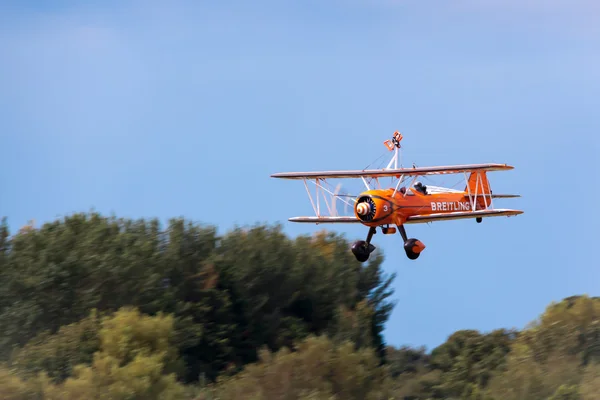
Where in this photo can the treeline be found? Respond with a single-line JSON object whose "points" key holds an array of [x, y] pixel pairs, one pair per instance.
{"points": [[101, 307]]}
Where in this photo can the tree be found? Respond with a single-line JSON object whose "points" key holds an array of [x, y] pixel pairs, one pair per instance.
{"points": [[566, 392], [12, 387], [318, 369], [571, 326], [229, 295], [470, 357], [57, 354], [136, 360], [406, 360]]}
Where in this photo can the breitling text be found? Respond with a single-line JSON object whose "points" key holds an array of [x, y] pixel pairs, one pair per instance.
{"points": [[450, 206]]}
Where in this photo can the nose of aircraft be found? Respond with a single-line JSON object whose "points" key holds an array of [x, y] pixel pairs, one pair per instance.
{"points": [[363, 208]]}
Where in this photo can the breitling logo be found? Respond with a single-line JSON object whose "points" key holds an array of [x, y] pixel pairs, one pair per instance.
{"points": [[450, 206]]}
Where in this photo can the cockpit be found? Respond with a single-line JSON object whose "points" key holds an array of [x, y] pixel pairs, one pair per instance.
{"points": [[418, 187]]}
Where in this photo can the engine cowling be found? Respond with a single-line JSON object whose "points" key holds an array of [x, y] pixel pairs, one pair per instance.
{"points": [[372, 208]]}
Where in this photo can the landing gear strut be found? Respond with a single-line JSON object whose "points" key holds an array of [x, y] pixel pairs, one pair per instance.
{"points": [[362, 249], [413, 247]]}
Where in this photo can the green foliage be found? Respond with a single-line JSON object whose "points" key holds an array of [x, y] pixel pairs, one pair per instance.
{"points": [[354, 325], [566, 392], [134, 362], [526, 378], [406, 360], [589, 387], [552, 352], [317, 369], [229, 295], [571, 326], [95, 307], [470, 358], [62, 271], [555, 356], [12, 387], [57, 354]]}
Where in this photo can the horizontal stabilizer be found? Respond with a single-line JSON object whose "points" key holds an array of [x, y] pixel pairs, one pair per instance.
{"points": [[496, 196]]}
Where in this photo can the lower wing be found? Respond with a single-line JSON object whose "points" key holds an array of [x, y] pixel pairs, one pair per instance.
{"points": [[416, 219]]}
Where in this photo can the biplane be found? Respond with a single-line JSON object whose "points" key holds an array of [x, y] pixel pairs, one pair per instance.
{"points": [[409, 201]]}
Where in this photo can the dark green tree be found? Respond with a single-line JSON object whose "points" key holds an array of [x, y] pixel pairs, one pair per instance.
{"points": [[229, 295]]}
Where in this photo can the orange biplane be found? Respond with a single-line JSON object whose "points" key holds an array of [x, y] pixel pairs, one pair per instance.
{"points": [[408, 202]]}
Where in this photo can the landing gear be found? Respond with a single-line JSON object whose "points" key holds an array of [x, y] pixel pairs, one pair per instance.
{"points": [[362, 249], [478, 219], [413, 247]]}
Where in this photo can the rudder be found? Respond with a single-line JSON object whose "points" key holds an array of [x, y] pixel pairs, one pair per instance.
{"points": [[478, 184]]}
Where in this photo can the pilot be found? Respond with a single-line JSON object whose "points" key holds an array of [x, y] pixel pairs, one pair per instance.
{"points": [[419, 187]]}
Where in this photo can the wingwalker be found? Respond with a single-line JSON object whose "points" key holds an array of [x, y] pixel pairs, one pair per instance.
{"points": [[408, 202]]}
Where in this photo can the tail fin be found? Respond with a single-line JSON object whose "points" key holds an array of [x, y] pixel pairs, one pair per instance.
{"points": [[478, 184], [478, 188]]}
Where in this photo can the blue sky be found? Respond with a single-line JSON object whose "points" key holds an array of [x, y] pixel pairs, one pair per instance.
{"points": [[148, 109]]}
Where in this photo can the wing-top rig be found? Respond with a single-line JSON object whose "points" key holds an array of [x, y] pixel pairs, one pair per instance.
{"points": [[407, 202]]}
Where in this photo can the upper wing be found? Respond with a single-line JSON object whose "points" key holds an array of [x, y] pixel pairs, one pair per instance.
{"points": [[416, 219], [450, 169]]}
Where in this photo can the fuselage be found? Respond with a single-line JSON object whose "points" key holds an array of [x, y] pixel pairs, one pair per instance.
{"points": [[382, 206]]}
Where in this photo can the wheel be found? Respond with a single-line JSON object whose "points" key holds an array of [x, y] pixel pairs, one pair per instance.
{"points": [[362, 250], [413, 248], [478, 219]]}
